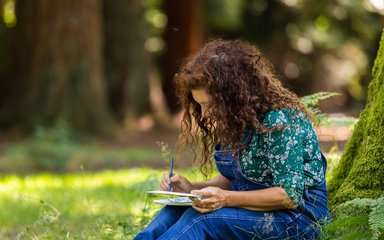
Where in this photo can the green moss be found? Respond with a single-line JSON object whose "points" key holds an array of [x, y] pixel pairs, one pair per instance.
{"points": [[361, 168], [349, 227]]}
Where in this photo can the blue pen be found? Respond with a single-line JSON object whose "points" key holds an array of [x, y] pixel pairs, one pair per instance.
{"points": [[171, 171]]}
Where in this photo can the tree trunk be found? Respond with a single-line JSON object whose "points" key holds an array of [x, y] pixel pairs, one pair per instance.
{"points": [[361, 168], [59, 65], [126, 60], [183, 36], [6, 59]]}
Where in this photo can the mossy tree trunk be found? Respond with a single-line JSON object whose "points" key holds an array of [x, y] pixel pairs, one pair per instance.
{"points": [[360, 172], [59, 66]]}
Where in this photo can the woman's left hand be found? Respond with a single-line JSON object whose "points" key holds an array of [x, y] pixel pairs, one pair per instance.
{"points": [[213, 198]]}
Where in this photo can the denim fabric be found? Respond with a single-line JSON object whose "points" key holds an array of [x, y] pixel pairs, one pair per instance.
{"points": [[237, 223]]}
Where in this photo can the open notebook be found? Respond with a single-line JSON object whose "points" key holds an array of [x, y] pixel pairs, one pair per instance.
{"points": [[174, 198]]}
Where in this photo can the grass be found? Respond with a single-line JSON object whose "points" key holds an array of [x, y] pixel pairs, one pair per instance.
{"points": [[99, 205], [349, 227], [43, 154], [104, 205]]}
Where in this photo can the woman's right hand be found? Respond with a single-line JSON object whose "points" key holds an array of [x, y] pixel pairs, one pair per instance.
{"points": [[178, 183]]}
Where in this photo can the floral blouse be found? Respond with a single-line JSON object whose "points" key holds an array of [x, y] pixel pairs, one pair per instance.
{"points": [[289, 158]]}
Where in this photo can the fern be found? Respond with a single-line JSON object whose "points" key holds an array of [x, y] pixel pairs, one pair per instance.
{"points": [[376, 219], [376, 215], [311, 102], [314, 99]]}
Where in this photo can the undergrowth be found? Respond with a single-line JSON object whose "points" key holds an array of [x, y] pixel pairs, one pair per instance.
{"points": [[358, 219], [61, 149]]}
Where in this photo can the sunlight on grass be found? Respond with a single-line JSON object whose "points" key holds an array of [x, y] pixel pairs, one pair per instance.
{"points": [[75, 204], [104, 205]]}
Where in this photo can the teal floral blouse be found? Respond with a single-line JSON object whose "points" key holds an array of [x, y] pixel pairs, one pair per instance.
{"points": [[289, 158]]}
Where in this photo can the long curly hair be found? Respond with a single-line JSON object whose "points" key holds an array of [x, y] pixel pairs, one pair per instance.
{"points": [[243, 86]]}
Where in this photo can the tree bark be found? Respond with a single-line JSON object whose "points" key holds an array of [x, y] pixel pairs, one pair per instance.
{"points": [[126, 60], [59, 65], [183, 37], [361, 168]]}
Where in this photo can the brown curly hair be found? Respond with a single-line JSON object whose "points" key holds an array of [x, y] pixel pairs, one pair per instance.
{"points": [[243, 87]]}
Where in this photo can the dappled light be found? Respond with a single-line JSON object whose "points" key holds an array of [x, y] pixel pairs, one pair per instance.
{"points": [[91, 106], [70, 199], [154, 44], [374, 5], [86, 204], [8, 13]]}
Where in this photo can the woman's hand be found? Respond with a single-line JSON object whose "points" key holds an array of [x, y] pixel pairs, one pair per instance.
{"points": [[213, 198], [178, 183]]}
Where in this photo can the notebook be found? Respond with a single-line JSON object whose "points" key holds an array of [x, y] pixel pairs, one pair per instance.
{"points": [[182, 199]]}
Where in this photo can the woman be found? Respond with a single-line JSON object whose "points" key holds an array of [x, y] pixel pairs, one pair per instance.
{"points": [[271, 181]]}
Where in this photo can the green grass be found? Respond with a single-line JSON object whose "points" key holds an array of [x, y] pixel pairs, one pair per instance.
{"points": [[101, 205], [349, 227], [37, 155], [104, 205]]}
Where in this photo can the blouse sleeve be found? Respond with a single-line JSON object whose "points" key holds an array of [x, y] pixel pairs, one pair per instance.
{"points": [[285, 153]]}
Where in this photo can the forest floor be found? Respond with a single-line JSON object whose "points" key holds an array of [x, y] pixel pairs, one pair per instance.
{"points": [[136, 149], [331, 139]]}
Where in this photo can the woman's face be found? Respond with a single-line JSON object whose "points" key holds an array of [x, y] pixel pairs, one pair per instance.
{"points": [[203, 98]]}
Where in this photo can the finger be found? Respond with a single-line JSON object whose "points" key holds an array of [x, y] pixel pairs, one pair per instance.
{"points": [[196, 201], [175, 178], [208, 206], [163, 186], [201, 209], [203, 205], [211, 202], [197, 208], [202, 193], [166, 178]]}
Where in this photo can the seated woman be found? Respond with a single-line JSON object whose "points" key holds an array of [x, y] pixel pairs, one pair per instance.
{"points": [[271, 181]]}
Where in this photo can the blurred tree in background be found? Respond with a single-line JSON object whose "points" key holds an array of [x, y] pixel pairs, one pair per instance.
{"points": [[316, 45], [183, 36], [127, 63], [58, 66], [99, 64]]}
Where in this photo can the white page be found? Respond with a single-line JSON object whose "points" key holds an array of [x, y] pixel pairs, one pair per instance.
{"points": [[174, 193]]}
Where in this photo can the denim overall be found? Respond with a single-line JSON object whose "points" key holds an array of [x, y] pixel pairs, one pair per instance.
{"points": [[238, 223]]}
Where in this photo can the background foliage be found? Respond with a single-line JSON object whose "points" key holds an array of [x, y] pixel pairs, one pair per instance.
{"points": [[322, 46], [85, 86]]}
